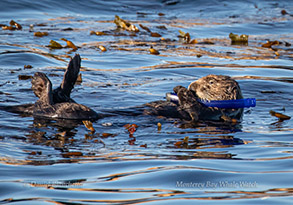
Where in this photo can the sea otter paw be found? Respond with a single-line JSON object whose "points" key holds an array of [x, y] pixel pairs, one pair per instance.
{"points": [[177, 88], [186, 97]]}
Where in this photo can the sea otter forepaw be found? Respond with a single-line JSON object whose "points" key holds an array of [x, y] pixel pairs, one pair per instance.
{"points": [[178, 88]]}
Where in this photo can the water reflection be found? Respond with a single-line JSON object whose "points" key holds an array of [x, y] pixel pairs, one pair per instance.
{"points": [[71, 146]]}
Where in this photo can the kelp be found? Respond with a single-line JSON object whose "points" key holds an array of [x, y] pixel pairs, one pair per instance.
{"points": [[41, 34], [238, 40], [15, 24], [12, 26], [121, 23], [154, 51], [27, 66], [281, 116], [72, 154], [269, 44], [102, 48], [69, 44], [24, 77], [98, 33], [186, 38], [183, 143], [131, 128], [106, 135], [154, 34], [145, 28], [89, 125], [159, 126], [55, 45]]}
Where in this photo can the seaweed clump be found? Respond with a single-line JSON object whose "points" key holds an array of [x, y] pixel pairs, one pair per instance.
{"points": [[238, 40]]}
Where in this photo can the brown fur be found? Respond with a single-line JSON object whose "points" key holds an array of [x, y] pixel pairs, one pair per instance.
{"points": [[211, 87]]}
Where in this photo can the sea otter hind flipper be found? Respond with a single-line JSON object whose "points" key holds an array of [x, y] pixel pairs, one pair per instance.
{"points": [[43, 86], [70, 75], [39, 82]]}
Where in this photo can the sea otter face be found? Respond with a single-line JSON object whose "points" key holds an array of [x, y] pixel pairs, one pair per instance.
{"points": [[216, 87]]}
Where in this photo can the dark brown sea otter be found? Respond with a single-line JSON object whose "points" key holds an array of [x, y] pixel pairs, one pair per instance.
{"points": [[211, 87], [57, 103]]}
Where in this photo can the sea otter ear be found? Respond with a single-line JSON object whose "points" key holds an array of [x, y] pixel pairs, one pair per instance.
{"points": [[192, 86], [42, 87], [70, 75]]}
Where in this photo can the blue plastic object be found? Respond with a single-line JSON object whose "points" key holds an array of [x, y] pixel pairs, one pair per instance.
{"points": [[228, 104]]}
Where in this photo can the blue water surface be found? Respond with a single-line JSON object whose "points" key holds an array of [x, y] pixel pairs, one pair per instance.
{"points": [[50, 162]]}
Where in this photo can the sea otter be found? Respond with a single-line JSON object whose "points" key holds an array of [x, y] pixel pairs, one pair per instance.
{"points": [[208, 88], [57, 103]]}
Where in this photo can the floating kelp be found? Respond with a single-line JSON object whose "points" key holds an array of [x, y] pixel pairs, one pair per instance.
{"points": [[269, 44], [24, 77], [280, 115], [145, 28], [12, 26], [15, 24], [27, 66], [98, 33], [162, 27], [153, 34], [105, 135], [131, 128], [36, 153], [102, 48], [41, 34], [206, 42], [72, 154], [120, 23], [69, 44], [89, 125], [55, 45], [238, 40], [184, 142], [154, 51], [159, 126], [186, 37]]}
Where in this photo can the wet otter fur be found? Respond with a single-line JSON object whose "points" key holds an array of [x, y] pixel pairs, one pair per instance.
{"points": [[46, 106], [211, 87], [57, 103]]}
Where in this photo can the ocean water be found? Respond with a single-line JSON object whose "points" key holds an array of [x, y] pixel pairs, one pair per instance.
{"points": [[50, 162]]}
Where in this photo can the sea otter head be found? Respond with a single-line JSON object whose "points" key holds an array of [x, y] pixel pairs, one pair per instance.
{"points": [[216, 87]]}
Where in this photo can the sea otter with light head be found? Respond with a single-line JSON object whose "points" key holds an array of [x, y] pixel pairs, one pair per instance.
{"points": [[191, 101]]}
